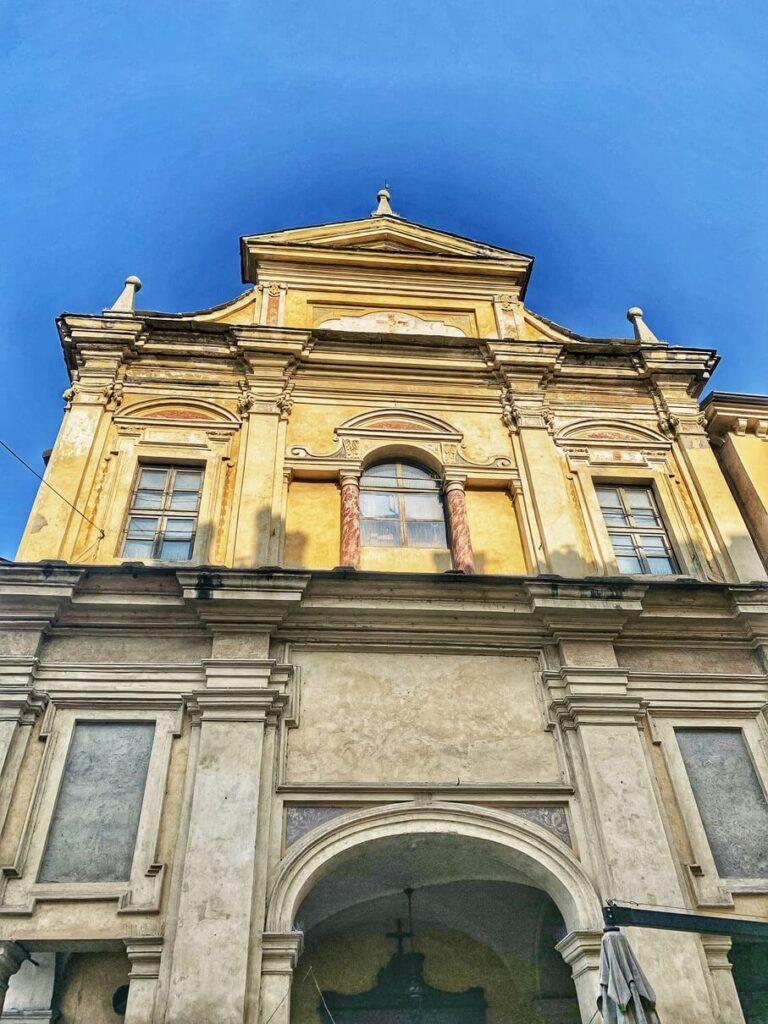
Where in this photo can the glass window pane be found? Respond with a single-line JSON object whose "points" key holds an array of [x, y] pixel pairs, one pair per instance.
{"points": [[148, 499], [184, 501], [608, 497], [377, 503], [154, 478], [638, 498], [627, 564], [380, 532], [647, 519], [615, 517], [176, 550], [179, 528], [142, 526], [411, 472], [653, 544], [661, 566], [622, 544], [385, 470], [426, 535], [423, 506], [138, 549], [187, 480]]}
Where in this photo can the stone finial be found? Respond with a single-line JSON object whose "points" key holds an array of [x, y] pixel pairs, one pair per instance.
{"points": [[383, 209], [126, 300], [642, 330]]}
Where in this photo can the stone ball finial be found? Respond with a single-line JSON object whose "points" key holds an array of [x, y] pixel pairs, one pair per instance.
{"points": [[125, 303], [384, 209], [642, 330]]}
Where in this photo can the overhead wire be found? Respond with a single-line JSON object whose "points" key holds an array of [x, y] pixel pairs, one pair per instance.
{"points": [[51, 487]]}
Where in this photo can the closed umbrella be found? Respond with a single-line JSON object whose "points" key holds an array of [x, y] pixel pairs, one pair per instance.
{"points": [[625, 994]]}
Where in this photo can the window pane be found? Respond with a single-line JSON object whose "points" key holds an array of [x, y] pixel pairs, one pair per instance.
{"points": [[615, 517], [423, 506], [142, 526], [411, 472], [184, 501], [638, 498], [187, 480], [627, 564], [426, 535], [178, 529], [384, 471], [93, 832], [653, 544], [622, 543], [154, 478], [645, 519], [380, 532], [608, 497], [730, 799], [176, 550], [661, 566], [138, 548], [377, 503], [148, 499]]}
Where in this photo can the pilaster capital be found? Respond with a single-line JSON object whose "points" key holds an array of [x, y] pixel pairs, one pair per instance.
{"points": [[280, 952], [454, 481], [255, 704], [22, 706], [349, 476], [581, 951], [716, 949], [577, 710], [587, 680], [144, 954]]}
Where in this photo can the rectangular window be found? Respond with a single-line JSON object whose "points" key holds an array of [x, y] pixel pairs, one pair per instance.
{"points": [[636, 529], [730, 799], [163, 516], [93, 831]]}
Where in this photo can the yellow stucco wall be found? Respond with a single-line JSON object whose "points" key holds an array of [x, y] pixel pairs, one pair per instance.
{"points": [[312, 525], [495, 533]]}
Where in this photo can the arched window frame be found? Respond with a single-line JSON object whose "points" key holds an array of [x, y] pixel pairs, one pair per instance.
{"points": [[401, 504]]}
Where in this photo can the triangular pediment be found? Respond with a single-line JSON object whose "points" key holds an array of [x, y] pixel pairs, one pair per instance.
{"points": [[381, 234]]}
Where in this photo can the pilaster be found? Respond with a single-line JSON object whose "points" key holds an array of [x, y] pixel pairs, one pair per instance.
{"points": [[144, 955], [280, 954], [216, 903]]}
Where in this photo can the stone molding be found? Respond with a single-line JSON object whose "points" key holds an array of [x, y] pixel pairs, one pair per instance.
{"points": [[530, 846], [144, 952], [280, 951]]}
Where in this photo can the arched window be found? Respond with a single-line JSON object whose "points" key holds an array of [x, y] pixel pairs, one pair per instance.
{"points": [[401, 506]]}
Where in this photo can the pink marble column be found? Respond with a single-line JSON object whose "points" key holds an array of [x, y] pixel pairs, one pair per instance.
{"points": [[461, 543], [350, 520]]}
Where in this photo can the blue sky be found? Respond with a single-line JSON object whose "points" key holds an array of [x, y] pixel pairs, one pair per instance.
{"points": [[621, 144]]}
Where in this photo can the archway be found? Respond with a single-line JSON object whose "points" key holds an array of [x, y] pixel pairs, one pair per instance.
{"points": [[493, 894]]}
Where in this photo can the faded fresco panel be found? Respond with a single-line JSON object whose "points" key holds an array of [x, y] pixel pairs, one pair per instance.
{"points": [[93, 832], [400, 718]]}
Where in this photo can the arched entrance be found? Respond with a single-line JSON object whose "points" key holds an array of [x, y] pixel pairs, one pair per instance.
{"points": [[493, 895]]}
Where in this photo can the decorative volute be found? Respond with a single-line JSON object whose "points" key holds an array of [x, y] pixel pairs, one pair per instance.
{"points": [[642, 330], [126, 300]]}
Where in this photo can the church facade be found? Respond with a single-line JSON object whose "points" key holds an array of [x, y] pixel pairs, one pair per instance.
{"points": [[371, 636]]}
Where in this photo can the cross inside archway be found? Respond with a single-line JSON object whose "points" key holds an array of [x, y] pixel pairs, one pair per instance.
{"points": [[400, 936]]}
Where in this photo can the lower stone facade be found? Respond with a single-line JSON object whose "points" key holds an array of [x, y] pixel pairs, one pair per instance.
{"points": [[221, 789]]}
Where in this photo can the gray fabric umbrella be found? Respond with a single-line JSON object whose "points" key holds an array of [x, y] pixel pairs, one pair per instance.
{"points": [[625, 994]]}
